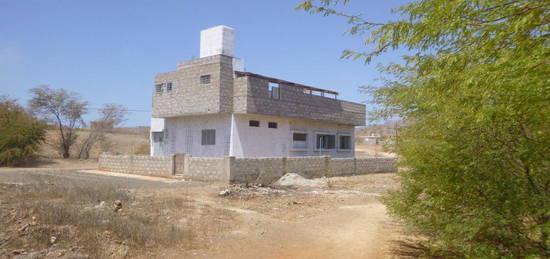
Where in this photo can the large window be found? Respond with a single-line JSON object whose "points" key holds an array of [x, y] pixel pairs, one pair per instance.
{"points": [[325, 141], [274, 92], [344, 142], [208, 137], [299, 140]]}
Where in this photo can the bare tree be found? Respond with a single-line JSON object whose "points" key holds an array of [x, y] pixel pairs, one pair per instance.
{"points": [[111, 116], [62, 108]]}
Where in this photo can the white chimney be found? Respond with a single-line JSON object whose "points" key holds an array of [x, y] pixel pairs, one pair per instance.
{"points": [[217, 40]]}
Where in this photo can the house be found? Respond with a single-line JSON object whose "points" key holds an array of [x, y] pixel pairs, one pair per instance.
{"points": [[372, 139], [212, 107]]}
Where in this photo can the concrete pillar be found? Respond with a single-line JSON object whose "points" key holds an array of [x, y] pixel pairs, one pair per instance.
{"points": [[284, 166], [228, 166], [186, 164], [327, 165], [173, 162], [354, 165]]}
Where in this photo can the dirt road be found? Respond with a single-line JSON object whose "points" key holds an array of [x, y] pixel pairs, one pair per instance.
{"points": [[345, 220]]}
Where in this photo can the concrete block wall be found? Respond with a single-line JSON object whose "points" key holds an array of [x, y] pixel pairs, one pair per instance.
{"points": [[188, 95], [257, 170], [293, 103], [243, 170], [343, 166], [137, 164], [375, 165], [311, 167], [211, 169], [269, 170]]}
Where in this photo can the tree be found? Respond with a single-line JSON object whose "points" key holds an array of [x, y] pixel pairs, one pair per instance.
{"points": [[62, 108], [111, 116], [474, 91], [20, 133]]}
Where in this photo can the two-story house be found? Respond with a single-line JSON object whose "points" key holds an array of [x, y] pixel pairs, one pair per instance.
{"points": [[211, 107]]}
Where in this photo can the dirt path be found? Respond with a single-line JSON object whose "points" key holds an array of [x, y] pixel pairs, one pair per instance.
{"points": [[345, 220], [348, 232], [360, 230]]}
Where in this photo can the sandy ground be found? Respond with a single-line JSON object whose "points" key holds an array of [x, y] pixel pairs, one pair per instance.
{"points": [[371, 150], [344, 220]]}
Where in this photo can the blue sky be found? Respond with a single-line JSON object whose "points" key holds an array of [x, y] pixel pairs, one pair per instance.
{"points": [[109, 51]]}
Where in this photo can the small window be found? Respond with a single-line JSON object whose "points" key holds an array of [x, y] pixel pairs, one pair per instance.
{"points": [[299, 140], [169, 87], [158, 137], [272, 125], [253, 123], [205, 79], [208, 137], [345, 142], [158, 88], [326, 141]]}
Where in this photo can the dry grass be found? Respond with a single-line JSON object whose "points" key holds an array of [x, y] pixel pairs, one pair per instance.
{"points": [[71, 212], [119, 141]]}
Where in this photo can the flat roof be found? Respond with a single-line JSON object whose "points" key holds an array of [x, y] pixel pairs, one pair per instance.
{"points": [[280, 81]]}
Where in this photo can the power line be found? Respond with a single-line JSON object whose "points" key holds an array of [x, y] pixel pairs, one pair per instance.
{"points": [[97, 109]]}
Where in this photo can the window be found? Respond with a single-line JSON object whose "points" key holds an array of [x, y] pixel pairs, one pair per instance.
{"points": [[272, 125], [158, 136], [158, 88], [274, 92], [299, 140], [205, 79], [326, 141], [253, 123], [169, 87], [345, 142], [208, 137]]}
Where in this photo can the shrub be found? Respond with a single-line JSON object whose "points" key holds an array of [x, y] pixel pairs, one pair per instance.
{"points": [[473, 89], [20, 133]]}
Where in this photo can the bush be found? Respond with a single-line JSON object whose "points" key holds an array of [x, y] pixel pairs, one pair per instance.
{"points": [[473, 89], [20, 134]]}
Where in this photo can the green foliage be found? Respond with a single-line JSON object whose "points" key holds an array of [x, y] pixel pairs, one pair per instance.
{"points": [[20, 134], [476, 93]]}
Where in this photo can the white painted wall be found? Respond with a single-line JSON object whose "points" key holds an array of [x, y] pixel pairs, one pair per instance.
{"points": [[183, 135], [217, 40], [157, 124], [314, 127], [266, 142], [259, 141]]}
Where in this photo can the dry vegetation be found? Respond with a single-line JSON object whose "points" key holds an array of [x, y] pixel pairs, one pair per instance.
{"points": [[70, 215], [120, 140], [53, 218]]}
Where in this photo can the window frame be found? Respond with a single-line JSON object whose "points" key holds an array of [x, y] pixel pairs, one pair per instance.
{"points": [[317, 134], [205, 138], [274, 90], [205, 79], [250, 122], [301, 149], [350, 142], [154, 135], [159, 88], [271, 123], [169, 87]]}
